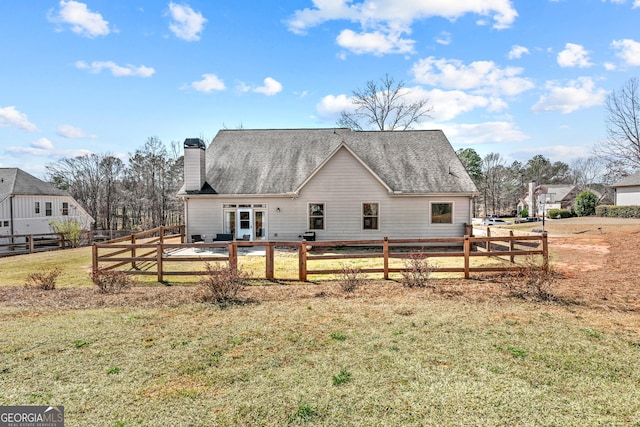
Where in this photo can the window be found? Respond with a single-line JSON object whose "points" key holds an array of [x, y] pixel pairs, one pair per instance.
{"points": [[37, 207], [316, 216], [47, 208], [6, 223], [370, 216], [441, 213], [65, 208]]}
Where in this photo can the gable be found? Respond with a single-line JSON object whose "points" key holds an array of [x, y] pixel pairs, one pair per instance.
{"points": [[14, 181], [279, 162]]}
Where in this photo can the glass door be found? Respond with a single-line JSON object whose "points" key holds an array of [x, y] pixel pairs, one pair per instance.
{"points": [[244, 228]]}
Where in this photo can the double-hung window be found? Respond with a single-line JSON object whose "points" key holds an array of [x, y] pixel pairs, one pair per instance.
{"points": [[370, 212], [48, 211], [316, 216]]}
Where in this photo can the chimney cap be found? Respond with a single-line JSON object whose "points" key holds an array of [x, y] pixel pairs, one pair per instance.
{"points": [[194, 143]]}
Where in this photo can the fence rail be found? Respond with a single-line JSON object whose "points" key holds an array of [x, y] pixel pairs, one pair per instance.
{"points": [[153, 256], [19, 244]]}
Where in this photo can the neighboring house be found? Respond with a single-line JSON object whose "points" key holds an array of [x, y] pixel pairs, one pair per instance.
{"points": [[335, 183], [627, 191], [541, 198], [28, 204]]}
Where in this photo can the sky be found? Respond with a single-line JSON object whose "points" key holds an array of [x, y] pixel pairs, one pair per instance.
{"points": [[519, 78]]}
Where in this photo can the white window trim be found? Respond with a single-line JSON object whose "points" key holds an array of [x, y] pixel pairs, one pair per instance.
{"points": [[442, 224], [324, 215], [366, 230]]}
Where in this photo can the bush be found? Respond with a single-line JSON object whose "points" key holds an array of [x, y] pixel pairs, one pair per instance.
{"points": [[71, 230], [418, 271], [44, 280], [524, 213], [351, 278], [222, 282], [586, 203], [558, 213], [111, 281], [530, 281], [618, 211]]}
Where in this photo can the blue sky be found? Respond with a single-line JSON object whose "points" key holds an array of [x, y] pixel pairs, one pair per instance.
{"points": [[517, 77]]}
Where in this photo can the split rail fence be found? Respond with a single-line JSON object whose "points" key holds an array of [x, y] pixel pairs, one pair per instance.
{"points": [[144, 255], [19, 244]]}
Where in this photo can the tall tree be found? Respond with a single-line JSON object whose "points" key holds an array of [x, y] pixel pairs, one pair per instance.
{"points": [[621, 149], [384, 105]]}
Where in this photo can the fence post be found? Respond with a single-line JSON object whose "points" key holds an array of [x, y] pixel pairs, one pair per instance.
{"points": [[302, 261], [32, 246], [467, 255], [512, 246], [488, 241], [94, 259], [233, 255], [162, 234], [159, 262], [269, 260], [133, 250], [545, 251], [385, 254]]}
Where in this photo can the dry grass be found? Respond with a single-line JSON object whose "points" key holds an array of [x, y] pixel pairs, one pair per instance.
{"points": [[459, 353]]}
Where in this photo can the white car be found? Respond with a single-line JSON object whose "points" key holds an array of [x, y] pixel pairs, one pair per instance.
{"points": [[494, 221]]}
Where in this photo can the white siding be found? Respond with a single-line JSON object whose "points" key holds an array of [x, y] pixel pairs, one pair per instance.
{"points": [[343, 184], [26, 221], [628, 196]]}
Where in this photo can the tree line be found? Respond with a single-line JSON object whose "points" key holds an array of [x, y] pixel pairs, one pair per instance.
{"points": [[134, 195]]}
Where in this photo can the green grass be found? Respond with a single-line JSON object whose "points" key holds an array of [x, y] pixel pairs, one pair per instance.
{"points": [[406, 362]]}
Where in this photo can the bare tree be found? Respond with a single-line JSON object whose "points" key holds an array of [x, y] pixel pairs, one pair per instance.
{"points": [[621, 149], [384, 105]]}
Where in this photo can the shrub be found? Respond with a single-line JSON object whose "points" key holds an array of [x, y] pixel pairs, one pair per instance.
{"points": [[558, 213], [222, 282], [71, 230], [111, 281], [530, 281], [418, 271], [618, 211], [524, 213], [44, 280], [586, 203], [351, 278]]}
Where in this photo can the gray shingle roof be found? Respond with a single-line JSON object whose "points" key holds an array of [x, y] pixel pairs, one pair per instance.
{"points": [[279, 161], [14, 181], [629, 181]]}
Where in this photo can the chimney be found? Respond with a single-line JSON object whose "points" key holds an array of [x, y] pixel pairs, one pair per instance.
{"points": [[194, 164]]}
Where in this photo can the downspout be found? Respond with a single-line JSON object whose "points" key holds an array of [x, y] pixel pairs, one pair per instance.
{"points": [[11, 230]]}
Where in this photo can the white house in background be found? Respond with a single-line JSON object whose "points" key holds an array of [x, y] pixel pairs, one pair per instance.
{"points": [[28, 204], [627, 191], [333, 184], [539, 199]]}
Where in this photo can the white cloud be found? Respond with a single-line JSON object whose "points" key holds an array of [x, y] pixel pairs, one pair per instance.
{"points": [[330, 106], [483, 77], [270, 87], [383, 23], [368, 12], [82, 20], [498, 132], [516, 52], [44, 148], [10, 117], [574, 55], [375, 42], [209, 83], [447, 105], [444, 38], [187, 24], [68, 131], [578, 94], [564, 152], [636, 3], [628, 50], [116, 70]]}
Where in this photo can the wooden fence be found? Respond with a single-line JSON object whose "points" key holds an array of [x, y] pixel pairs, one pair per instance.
{"points": [[19, 244], [153, 257]]}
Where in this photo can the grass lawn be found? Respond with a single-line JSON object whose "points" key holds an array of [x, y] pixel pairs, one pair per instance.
{"points": [[310, 355], [323, 361]]}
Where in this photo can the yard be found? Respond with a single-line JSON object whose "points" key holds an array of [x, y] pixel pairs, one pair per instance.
{"points": [[461, 353]]}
